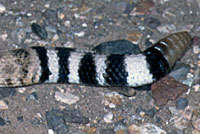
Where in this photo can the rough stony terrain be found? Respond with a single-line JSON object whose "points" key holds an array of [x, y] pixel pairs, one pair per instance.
{"points": [[83, 24]]}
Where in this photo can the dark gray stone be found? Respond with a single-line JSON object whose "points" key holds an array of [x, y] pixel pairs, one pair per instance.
{"points": [[39, 31], [75, 116], [117, 47], [180, 72], [56, 122], [20, 118], [107, 131], [151, 112], [6, 92], [32, 96], [182, 103], [152, 22], [2, 121]]}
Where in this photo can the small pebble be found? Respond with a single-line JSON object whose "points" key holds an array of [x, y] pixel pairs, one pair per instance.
{"points": [[108, 118], [182, 103], [196, 49], [107, 131], [152, 22], [55, 121], [181, 123], [142, 8], [196, 120], [151, 112], [167, 28], [50, 131], [66, 97], [32, 96], [75, 116], [91, 130], [135, 118], [2, 8], [80, 34], [61, 16], [67, 23], [84, 25], [145, 129], [112, 99], [3, 105], [120, 128], [39, 31], [78, 133], [2, 121], [196, 87], [20, 118], [6, 92], [134, 37]]}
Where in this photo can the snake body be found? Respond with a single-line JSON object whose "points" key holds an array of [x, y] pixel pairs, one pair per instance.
{"points": [[35, 65]]}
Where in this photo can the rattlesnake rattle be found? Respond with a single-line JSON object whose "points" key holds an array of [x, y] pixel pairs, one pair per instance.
{"points": [[36, 65]]}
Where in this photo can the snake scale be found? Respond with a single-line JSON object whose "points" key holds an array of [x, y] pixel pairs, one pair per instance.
{"points": [[35, 65]]}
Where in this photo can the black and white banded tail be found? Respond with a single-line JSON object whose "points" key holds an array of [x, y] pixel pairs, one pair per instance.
{"points": [[23, 67]]}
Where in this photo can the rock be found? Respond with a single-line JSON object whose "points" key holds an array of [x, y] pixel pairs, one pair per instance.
{"points": [[151, 112], [151, 129], [180, 72], [75, 116], [196, 120], [50, 15], [2, 121], [120, 6], [135, 118], [196, 87], [107, 131], [167, 28], [181, 123], [134, 37], [6, 92], [142, 8], [32, 96], [3, 105], [18, 35], [80, 34], [91, 130], [195, 132], [152, 22], [196, 49], [50, 131], [2, 8], [78, 133], [85, 9], [108, 118], [20, 118], [112, 99], [167, 89], [182, 103], [117, 47], [120, 127], [39, 31], [66, 97], [145, 129], [134, 129], [129, 7], [55, 121], [174, 111]]}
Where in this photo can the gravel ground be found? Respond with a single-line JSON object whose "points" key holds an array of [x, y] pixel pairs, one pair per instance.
{"points": [[74, 109]]}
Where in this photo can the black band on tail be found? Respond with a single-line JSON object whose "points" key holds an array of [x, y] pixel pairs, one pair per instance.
{"points": [[63, 54], [158, 65], [42, 54]]}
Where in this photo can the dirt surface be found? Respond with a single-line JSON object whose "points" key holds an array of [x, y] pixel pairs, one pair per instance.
{"points": [[84, 24]]}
